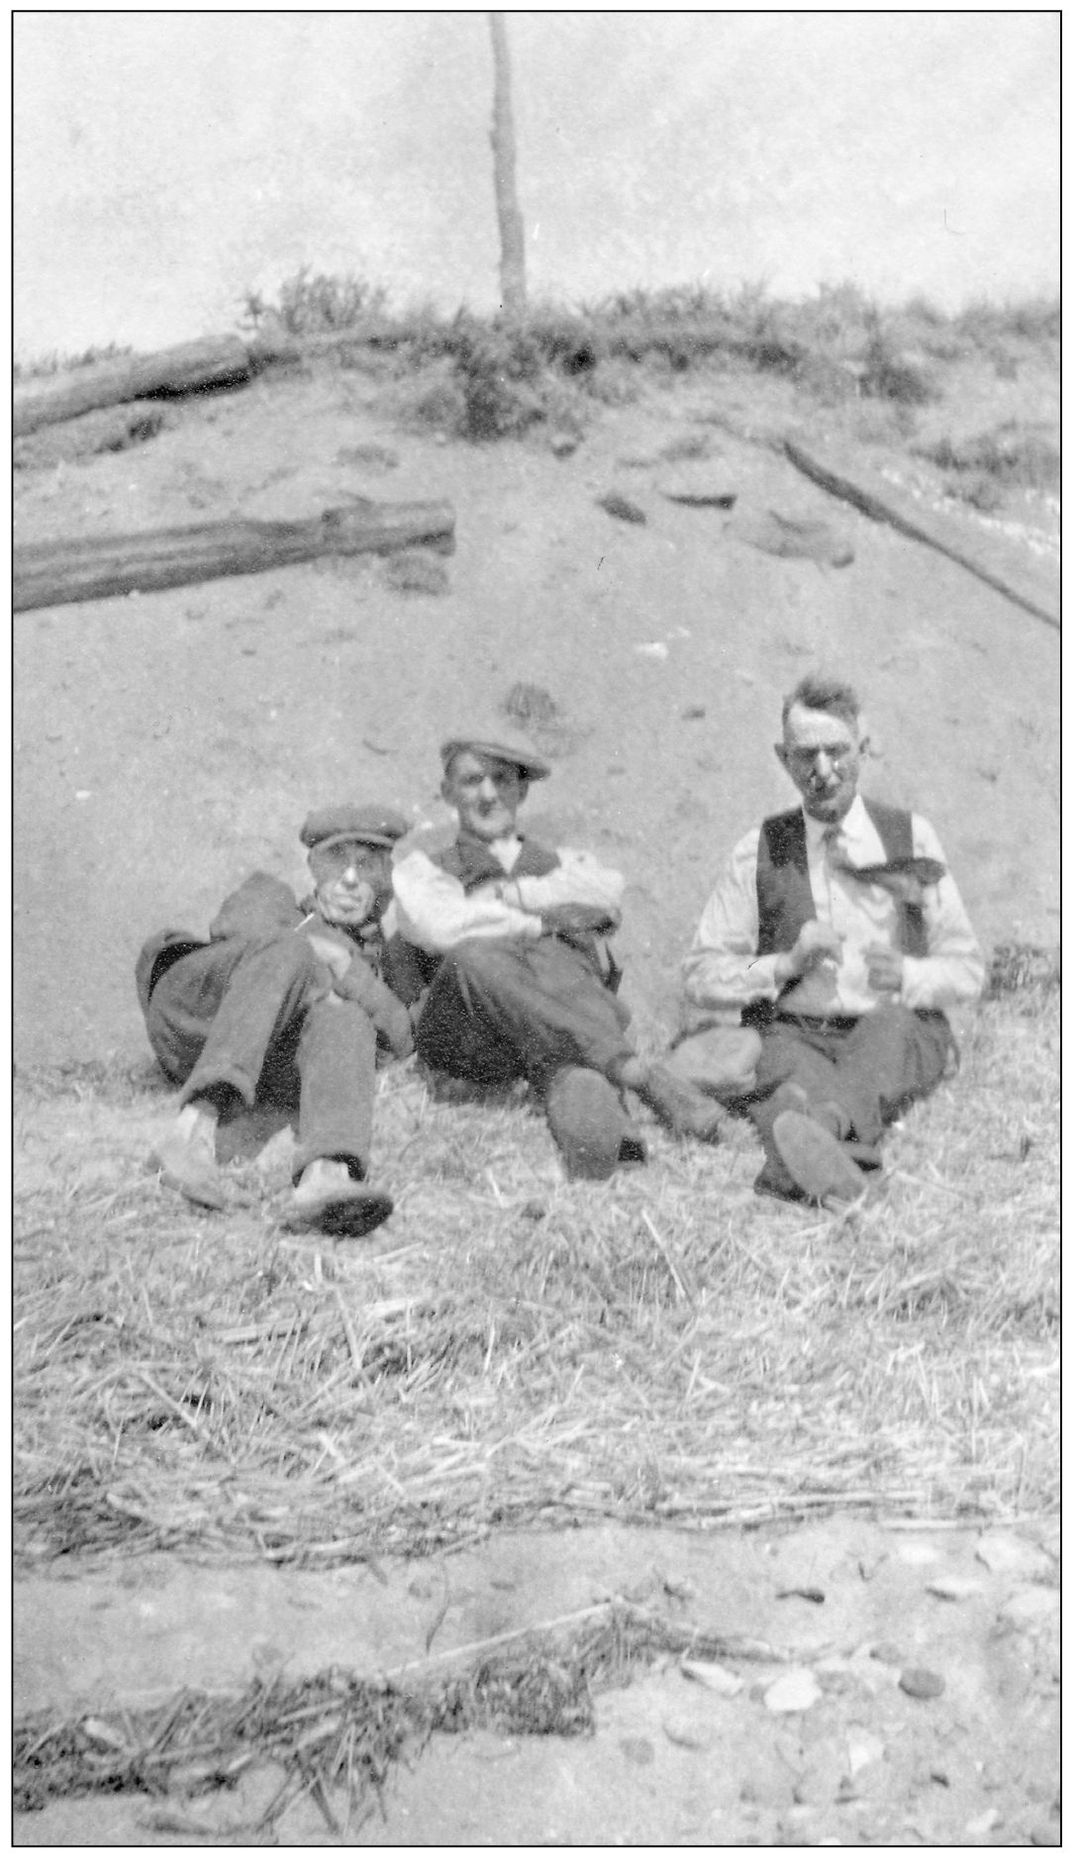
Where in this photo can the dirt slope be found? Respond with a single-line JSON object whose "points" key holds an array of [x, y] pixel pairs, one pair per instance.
{"points": [[167, 743]]}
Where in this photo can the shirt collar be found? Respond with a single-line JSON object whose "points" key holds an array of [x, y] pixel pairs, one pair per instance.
{"points": [[506, 850], [853, 827]]}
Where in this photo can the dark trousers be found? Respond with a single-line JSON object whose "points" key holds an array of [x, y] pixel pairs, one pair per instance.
{"points": [[261, 1018], [498, 1010], [868, 1068]]}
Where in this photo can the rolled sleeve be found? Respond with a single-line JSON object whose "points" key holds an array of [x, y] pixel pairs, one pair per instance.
{"points": [[579, 878], [952, 972], [722, 971]]}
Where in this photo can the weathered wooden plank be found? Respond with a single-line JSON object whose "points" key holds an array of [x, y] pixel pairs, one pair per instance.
{"points": [[215, 361], [96, 567], [990, 561]]}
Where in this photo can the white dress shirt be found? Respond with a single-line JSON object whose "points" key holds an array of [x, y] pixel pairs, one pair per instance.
{"points": [[723, 972], [434, 911]]}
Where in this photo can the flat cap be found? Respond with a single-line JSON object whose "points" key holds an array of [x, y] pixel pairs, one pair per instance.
{"points": [[514, 749], [367, 825]]}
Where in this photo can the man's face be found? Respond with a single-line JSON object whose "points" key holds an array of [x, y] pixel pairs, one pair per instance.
{"points": [[351, 880], [822, 755], [486, 794]]}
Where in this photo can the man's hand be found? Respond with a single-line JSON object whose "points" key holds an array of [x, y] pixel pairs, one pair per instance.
{"points": [[332, 954], [884, 966], [571, 920], [815, 943]]}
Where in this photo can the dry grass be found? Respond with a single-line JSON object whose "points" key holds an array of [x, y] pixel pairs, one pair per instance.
{"points": [[665, 1347], [334, 1734]]}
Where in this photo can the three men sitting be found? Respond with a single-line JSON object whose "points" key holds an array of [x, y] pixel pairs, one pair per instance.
{"points": [[817, 981]]}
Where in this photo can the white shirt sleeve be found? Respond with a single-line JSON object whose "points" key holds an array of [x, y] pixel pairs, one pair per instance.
{"points": [[952, 972], [434, 911], [722, 971], [579, 878]]}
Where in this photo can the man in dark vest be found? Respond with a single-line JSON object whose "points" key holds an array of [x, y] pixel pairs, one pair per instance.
{"points": [[285, 1004], [513, 941], [831, 946]]}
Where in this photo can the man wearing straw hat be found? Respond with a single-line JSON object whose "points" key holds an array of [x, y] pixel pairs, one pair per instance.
{"points": [[285, 1002], [837, 935], [513, 940]]}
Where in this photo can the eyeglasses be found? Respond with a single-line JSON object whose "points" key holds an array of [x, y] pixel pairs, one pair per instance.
{"points": [[804, 759]]}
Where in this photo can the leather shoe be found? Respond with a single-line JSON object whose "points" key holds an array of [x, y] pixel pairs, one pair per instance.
{"points": [[815, 1160]]}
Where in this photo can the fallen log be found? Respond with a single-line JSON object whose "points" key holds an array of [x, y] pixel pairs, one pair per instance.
{"points": [[109, 428], [215, 361], [97, 567], [883, 502]]}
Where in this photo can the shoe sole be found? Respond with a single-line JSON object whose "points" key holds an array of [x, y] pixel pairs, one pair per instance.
{"points": [[200, 1187], [588, 1124], [684, 1111], [341, 1215], [815, 1160]]}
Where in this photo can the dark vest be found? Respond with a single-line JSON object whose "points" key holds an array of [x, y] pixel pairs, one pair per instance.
{"points": [[472, 864], [783, 890]]}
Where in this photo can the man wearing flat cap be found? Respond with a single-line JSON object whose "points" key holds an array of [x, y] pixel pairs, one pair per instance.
{"points": [[513, 940], [286, 1003], [831, 948]]}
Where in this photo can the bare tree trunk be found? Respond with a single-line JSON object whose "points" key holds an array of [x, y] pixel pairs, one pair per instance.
{"points": [[503, 142]]}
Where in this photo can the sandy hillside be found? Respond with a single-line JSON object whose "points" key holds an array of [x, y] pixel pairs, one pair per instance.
{"points": [[167, 743], [812, 1466]]}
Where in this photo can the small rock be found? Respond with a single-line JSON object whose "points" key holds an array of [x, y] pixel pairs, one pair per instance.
{"points": [[713, 1676], [683, 1731], [695, 713], [922, 1684], [697, 486], [531, 705], [985, 1822], [620, 506], [1011, 1554], [793, 538], [865, 1668], [638, 1750], [563, 444], [954, 1586], [1029, 1604], [886, 1653], [864, 1750], [101, 1733], [792, 1693], [916, 1553]]}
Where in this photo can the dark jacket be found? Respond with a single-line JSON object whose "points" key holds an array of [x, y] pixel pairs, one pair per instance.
{"points": [[263, 907]]}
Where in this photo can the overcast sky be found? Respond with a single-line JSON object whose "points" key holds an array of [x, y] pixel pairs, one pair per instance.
{"points": [[166, 162]]}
